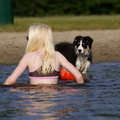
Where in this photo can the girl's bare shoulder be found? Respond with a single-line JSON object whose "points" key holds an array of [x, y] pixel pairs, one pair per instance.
{"points": [[29, 55], [57, 53]]}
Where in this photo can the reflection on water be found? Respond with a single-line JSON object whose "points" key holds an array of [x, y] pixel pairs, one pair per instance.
{"points": [[98, 98]]}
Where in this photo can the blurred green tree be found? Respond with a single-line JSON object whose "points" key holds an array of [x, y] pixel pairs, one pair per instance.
{"points": [[65, 7]]}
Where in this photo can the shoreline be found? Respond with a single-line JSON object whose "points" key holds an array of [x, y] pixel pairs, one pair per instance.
{"points": [[105, 48]]}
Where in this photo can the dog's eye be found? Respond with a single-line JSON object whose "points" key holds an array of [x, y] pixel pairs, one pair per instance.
{"points": [[84, 45]]}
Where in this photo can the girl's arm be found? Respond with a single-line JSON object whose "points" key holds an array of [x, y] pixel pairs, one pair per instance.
{"points": [[65, 63], [17, 72]]}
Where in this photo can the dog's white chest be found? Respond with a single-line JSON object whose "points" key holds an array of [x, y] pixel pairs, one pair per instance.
{"points": [[82, 64]]}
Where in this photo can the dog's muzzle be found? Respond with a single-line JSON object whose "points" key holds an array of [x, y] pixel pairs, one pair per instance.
{"points": [[79, 50]]}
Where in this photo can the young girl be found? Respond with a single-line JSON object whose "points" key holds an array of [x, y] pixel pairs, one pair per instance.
{"points": [[41, 59]]}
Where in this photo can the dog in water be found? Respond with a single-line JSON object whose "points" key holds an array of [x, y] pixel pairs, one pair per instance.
{"points": [[79, 53]]}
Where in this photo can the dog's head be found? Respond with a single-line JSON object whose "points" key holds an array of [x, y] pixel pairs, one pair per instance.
{"points": [[83, 44]]}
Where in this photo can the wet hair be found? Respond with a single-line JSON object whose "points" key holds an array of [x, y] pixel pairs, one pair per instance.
{"points": [[41, 40]]}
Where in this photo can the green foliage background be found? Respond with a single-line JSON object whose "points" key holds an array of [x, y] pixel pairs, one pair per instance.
{"points": [[38, 8]]}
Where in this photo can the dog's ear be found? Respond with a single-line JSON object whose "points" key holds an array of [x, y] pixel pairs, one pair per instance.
{"points": [[76, 39], [89, 40]]}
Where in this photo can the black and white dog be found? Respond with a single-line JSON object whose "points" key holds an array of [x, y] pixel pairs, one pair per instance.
{"points": [[79, 53]]}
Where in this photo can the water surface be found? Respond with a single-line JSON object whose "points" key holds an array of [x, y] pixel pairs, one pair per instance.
{"points": [[97, 99]]}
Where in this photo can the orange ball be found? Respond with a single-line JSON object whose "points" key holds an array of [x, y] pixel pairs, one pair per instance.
{"points": [[65, 75]]}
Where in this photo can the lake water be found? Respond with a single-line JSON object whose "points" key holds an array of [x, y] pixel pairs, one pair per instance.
{"points": [[97, 99]]}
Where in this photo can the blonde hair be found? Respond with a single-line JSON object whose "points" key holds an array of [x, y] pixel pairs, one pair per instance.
{"points": [[41, 39]]}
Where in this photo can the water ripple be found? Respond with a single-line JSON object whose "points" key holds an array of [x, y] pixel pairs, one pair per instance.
{"points": [[98, 98]]}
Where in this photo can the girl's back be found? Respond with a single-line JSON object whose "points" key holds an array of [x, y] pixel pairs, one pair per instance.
{"points": [[34, 59]]}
